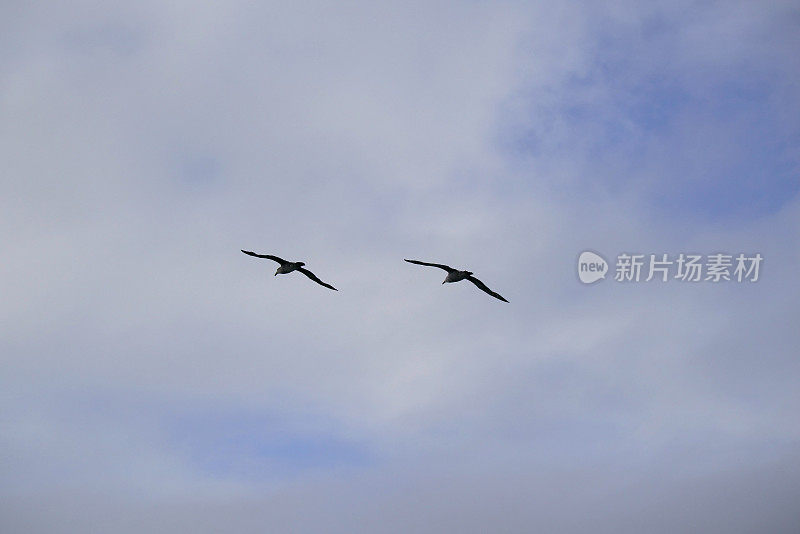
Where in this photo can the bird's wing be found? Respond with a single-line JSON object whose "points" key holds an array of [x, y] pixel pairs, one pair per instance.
{"points": [[439, 265], [314, 278], [268, 256], [483, 287]]}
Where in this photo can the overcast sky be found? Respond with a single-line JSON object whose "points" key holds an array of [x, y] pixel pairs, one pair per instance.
{"points": [[155, 379]]}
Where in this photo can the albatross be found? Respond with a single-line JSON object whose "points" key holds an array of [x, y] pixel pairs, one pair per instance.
{"points": [[289, 266], [454, 275]]}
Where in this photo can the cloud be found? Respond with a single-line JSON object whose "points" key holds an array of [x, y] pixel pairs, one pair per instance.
{"points": [[156, 377]]}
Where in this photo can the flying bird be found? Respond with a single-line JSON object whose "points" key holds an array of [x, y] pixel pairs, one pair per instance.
{"points": [[454, 275], [289, 266]]}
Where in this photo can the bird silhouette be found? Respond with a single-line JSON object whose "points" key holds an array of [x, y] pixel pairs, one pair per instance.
{"points": [[288, 266], [454, 275]]}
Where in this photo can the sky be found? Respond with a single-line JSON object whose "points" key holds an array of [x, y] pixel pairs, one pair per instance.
{"points": [[153, 378]]}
